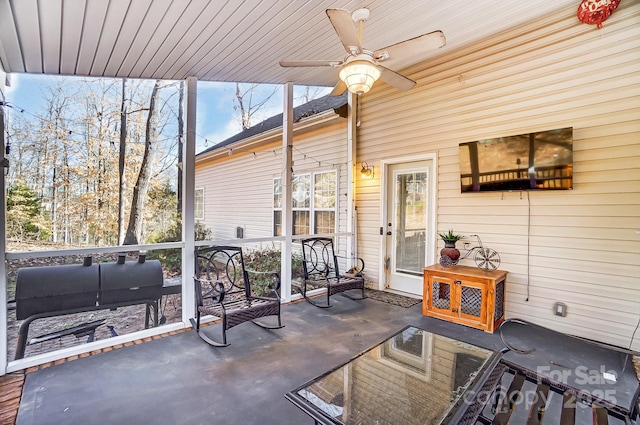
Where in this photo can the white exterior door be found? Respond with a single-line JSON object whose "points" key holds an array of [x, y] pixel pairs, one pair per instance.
{"points": [[408, 228]]}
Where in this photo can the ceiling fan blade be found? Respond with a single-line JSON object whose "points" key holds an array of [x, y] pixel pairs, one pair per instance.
{"points": [[345, 28], [396, 80], [338, 89], [293, 64], [408, 52]]}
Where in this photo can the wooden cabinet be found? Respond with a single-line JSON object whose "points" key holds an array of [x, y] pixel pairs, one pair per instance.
{"points": [[465, 295]]}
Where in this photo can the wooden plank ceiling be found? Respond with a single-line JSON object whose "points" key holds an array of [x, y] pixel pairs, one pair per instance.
{"points": [[230, 40]]}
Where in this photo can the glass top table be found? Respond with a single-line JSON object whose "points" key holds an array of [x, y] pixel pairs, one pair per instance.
{"points": [[414, 377]]}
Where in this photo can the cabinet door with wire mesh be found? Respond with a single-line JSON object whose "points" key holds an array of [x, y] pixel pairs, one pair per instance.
{"points": [[441, 297], [471, 301]]}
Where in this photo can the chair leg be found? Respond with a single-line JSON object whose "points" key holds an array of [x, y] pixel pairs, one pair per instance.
{"points": [[206, 338], [262, 325], [278, 326], [303, 292], [224, 330], [312, 302], [362, 297]]}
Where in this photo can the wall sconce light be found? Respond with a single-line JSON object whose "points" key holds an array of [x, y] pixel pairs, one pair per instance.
{"points": [[366, 171]]}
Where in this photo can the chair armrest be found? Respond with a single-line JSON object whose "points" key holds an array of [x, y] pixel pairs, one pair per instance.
{"points": [[358, 267], [215, 291]]}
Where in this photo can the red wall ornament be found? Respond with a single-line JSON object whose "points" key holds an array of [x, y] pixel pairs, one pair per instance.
{"points": [[595, 12]]}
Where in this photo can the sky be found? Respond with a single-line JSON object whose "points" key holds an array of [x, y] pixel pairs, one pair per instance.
{"points": [[216, 118]]}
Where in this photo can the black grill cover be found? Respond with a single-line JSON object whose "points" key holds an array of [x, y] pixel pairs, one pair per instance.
{"points": [[130, 281], [55, 288]]}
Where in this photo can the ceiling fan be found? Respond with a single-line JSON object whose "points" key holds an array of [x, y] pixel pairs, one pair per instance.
{"points": [[361, 67]]}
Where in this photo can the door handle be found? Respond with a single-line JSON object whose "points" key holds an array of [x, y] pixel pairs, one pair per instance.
{"points": [[389, 233]]}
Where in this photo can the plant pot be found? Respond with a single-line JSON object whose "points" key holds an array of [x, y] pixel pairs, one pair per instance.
{"points": [[450, 251]]}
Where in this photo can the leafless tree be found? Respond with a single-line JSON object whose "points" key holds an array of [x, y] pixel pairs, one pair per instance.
{"points": [[309, 93], [134, 228], [180, 143], [246, 103], [121, 157]]}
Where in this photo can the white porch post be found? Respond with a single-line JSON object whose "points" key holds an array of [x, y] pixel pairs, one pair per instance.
{"points": [[3, 242], [352, 173], [188, 202], [287, 178]]}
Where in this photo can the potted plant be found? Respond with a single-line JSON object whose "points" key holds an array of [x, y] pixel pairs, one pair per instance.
{"points": [[449, 255]]}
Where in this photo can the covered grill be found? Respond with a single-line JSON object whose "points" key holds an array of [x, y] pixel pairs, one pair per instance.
{"points": [[130, 281], [41, 290], [56, 290]]}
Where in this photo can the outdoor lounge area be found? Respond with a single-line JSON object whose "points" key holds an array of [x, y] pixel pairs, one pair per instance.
{"points": [[175, 170], [179, 379]]}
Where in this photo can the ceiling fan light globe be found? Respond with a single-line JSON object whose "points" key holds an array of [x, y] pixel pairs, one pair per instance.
{"points": [[359, 76]]}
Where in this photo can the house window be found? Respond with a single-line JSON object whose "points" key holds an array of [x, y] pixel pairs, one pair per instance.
{"points": [[313, 203], [198, 210], [301, 204], [277, 207], [324, 202]]}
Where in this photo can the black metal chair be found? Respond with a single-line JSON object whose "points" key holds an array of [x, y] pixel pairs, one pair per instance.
{"points": [[223, 289], [320, 269]]}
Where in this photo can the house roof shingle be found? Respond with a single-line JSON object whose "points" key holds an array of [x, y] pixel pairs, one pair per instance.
{"points": [[314, 107]]}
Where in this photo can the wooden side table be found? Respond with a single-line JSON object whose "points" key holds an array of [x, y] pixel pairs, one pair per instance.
{"points": [[466, 295]]}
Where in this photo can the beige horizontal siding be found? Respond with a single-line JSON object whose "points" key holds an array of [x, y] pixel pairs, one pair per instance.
{"points": [[238, 189], [580, 246]]}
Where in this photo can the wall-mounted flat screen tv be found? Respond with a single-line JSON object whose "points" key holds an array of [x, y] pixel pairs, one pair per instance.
{"points": [[541, 160]]}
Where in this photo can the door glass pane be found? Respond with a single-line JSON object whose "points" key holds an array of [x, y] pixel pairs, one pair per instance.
{"points": [[410, 221]]}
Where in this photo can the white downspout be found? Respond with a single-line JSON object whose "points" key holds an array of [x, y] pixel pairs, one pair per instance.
{"points": [[352, 172]]}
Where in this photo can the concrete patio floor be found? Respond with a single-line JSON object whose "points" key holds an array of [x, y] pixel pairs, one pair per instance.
{"points": [[181, 380]]}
